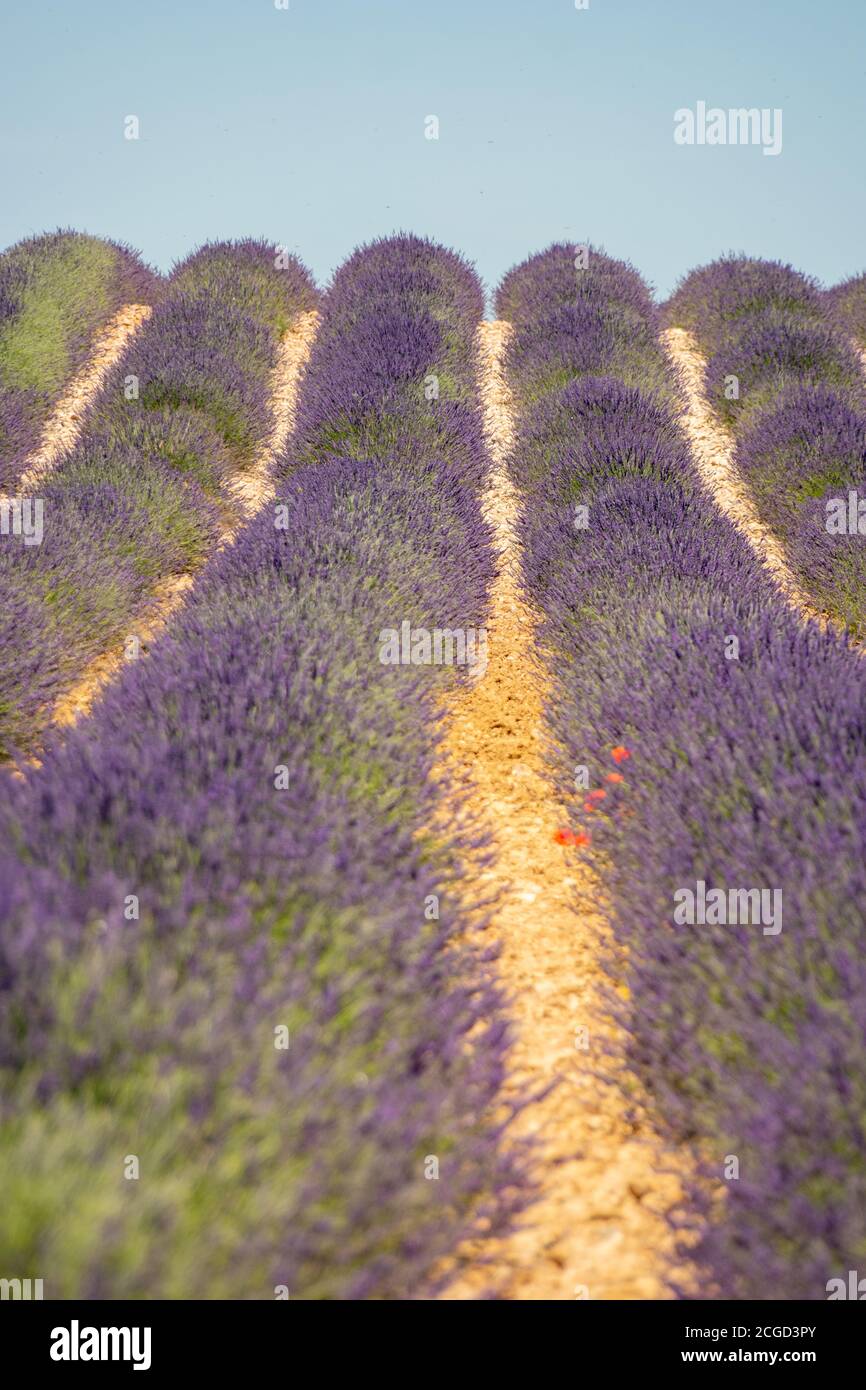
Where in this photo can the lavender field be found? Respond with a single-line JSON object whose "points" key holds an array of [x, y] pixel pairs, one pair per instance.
{"points": [[433, 756]]}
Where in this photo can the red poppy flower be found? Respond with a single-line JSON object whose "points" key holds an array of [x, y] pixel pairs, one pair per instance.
{"points": [[620, 753]]}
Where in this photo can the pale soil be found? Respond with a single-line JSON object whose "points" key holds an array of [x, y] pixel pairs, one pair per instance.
{"points": [[597, 1229], [713, 452], [251, 489], [63, 427], [254, 487]]}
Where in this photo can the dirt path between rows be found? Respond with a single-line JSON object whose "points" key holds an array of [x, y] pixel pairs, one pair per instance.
{"points": [[254, 487], [65, 423], [713, 451], [597, 1229], [252, 490]]}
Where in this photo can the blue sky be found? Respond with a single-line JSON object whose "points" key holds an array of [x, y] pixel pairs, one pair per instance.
{"points": [[306, 126]]}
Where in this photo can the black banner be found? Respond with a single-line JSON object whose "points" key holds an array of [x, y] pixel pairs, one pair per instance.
{"points": [[68, 1339]]}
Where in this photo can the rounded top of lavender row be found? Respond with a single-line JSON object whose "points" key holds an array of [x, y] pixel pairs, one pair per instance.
{"points": [[414, 270], [847, 305], [713, 299], [398, 310], [257, 278], [129, 279], [566, 274]]}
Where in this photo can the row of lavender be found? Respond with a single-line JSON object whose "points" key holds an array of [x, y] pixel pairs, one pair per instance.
{"points": [[144, 494], [847, 305], [785, 372], [724, 745], [56, 293], [249, 1045]]}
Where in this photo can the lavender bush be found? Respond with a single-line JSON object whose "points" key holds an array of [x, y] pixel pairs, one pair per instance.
{"points": [[809, 444], [415, 273], [831, 564], [185, 438], [711, 301], [768, 353], [197, 354], [576, 312], [567, 274], [596, 428], [847, 306], [56, 292], [411, 381], [727, 738], [240, 275]]}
